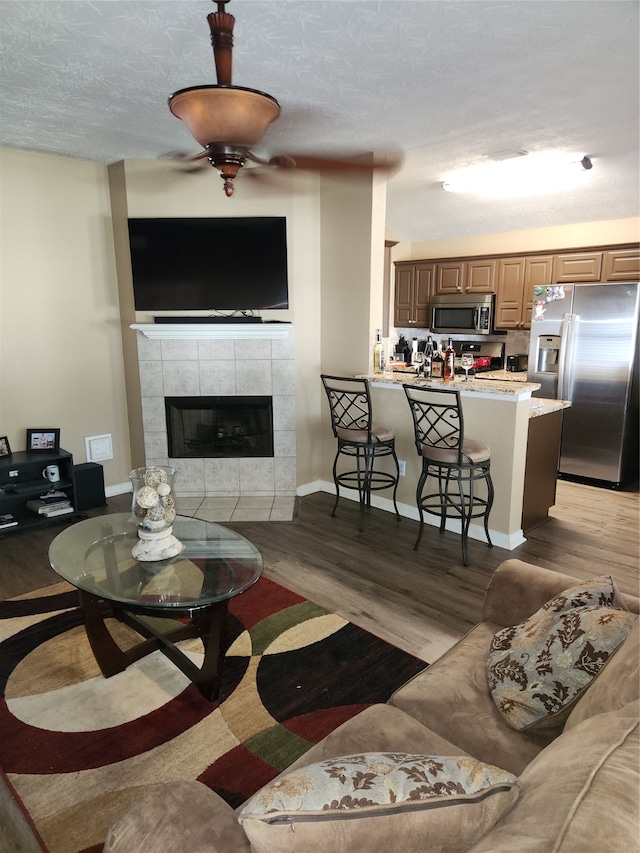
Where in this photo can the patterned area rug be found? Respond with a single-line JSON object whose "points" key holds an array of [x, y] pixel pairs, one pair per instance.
{"points": [[79, 749]]}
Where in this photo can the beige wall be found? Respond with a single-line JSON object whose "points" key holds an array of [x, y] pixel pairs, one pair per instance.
{"points": [[352, 259], [61, 359], [533, 240]]}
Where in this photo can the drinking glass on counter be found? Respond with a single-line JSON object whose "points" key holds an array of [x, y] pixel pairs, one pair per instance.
{"points": [[466, 362]]}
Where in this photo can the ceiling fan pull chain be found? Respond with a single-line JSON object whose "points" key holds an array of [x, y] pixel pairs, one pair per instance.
{"points": [[221, 26]]}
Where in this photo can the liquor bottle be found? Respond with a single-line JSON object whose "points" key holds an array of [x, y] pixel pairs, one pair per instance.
{"points": [[437, 365], [428, 357], [378, 353], [449, 362]]}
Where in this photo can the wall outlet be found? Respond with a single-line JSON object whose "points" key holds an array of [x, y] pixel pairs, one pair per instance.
{"points": [[402, 466]]}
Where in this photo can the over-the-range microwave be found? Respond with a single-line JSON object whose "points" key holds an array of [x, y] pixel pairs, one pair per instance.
{"points": [[462, 312]]}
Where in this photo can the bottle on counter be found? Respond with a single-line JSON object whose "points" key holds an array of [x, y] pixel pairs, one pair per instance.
{"points": [[378, 353], [449, 372], [428, 357], [414, 350], [437, 364]]}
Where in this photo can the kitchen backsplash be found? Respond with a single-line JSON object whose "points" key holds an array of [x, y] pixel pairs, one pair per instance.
{"points": [[515, 342]]}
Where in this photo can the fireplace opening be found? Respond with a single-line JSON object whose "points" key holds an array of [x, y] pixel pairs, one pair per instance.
{"points": [[219, 427]]}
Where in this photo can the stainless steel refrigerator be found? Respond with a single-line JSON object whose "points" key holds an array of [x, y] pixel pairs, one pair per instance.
{"points": [[584, 348]]}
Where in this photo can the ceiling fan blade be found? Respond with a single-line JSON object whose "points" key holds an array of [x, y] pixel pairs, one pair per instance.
{"points": [[388, 164], [189, 164]]}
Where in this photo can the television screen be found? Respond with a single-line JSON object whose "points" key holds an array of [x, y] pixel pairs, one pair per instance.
{"points": [[209, 264]]}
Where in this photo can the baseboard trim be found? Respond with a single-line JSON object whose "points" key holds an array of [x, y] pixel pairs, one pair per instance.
{"points": [[118, 489], [476, 531]]}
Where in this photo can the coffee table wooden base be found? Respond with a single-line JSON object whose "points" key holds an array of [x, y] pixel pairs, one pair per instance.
{"points": [[207, 622]]}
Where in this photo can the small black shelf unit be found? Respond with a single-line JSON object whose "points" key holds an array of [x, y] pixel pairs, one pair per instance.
{"points": [[22, 480]]}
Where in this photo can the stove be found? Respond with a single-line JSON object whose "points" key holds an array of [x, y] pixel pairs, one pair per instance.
{"points": [[488, 356]]}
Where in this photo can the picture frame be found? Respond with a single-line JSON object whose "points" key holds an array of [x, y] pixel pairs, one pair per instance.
{"points": [[5, 449], [43, 440]]}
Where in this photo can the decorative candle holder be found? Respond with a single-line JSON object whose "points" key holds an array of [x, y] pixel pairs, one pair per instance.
{"points": [[153, 510]]}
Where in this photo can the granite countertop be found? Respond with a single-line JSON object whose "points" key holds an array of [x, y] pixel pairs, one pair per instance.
{"points": [[487, 387], [542, 406], [514, 388], [504, 375]]}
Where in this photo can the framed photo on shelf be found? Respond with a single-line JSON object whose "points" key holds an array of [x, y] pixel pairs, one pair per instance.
{"points": [[5, 450], [43, 440]]}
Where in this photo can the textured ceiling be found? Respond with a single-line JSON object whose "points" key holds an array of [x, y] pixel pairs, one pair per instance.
{"points": [[448, 83]]}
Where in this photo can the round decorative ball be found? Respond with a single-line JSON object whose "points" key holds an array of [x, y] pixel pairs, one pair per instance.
{"points": [[147, 497], [154, 476]]}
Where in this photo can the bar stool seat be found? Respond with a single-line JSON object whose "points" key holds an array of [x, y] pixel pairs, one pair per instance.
{"points": [[456, 463], [359, 440], [378, 434]]}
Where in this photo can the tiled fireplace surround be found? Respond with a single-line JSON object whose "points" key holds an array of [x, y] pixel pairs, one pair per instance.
{"points": [[227, 360]]}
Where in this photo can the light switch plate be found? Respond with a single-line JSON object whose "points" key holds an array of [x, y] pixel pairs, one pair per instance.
{"points": [[98, 447]]}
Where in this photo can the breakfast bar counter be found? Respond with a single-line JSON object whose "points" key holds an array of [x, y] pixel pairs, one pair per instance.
{"points": [[500, 414]]}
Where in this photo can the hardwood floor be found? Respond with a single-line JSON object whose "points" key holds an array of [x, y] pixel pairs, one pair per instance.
{"points": [[422, 602]]}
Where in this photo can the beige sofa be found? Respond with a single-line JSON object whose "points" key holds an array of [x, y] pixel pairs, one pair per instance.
{"points": [[578, 783]]}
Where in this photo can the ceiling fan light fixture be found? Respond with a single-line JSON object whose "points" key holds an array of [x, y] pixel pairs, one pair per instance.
{"points": [[226, 120], [232, 115]]}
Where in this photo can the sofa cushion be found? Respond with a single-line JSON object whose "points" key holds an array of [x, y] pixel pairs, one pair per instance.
{"points": [[452, 698], [379, 728], [601, 591], [517, 589], [616, 686], [369, 801], [538, 669], [180, 815], [581, 793]]}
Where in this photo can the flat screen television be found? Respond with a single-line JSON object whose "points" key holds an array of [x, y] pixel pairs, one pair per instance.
{"points": [[211, 264]]}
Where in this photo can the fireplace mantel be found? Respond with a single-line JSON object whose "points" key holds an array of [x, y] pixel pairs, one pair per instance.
{"points": [[220, 331]]}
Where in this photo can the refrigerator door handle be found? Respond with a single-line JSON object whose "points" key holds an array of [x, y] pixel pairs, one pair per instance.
{"points": [[566, 346]]}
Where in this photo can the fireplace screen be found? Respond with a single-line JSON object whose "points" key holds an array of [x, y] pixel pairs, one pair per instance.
{"points": [[228, 427]]}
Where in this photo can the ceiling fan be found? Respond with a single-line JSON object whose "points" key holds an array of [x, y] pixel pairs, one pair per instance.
{"points": [[227, 121]]}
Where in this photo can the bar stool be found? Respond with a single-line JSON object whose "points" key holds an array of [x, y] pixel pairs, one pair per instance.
{"points": [[360, 440], [456, 462]]}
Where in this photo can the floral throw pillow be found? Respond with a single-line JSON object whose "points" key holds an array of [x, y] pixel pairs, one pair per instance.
{"points": [[601, 591], [367, 801], [538, 669]]}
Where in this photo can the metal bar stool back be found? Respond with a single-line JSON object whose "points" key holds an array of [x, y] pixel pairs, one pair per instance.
{"points": [[453, 461], [360, 441]]}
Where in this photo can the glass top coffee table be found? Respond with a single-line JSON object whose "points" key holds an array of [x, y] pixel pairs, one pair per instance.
{"points": [[216, 565]]}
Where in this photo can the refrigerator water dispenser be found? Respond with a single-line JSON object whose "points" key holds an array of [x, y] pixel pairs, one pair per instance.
{"points": [[548, 353]]}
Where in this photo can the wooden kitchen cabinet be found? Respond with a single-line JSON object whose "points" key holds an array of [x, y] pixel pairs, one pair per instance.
{"points": [[511, 277], [481, 276], [413, 290], [450, 277], [516, 279], [577, 266], [475, 275], [541, 469], [621, 265]]}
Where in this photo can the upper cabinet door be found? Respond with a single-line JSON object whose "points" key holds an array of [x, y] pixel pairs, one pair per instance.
{"points": [[450, 277], [538, 271], [403, 301], [510, 293], [577, 266], [481, 276], [621, 265], [424, 288]]}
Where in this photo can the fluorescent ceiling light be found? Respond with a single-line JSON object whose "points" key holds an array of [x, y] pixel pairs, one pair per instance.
{"points": [[523, 173]]}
